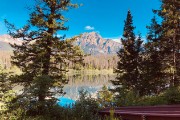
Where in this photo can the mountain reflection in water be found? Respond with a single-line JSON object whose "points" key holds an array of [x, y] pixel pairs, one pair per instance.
{"points": [[91, 83]]}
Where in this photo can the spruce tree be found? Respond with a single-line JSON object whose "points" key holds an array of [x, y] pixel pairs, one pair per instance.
{"points": [[128, 76], [43, 57], [152, 68], [170, 41]]}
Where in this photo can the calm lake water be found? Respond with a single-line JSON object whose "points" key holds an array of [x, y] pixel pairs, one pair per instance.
{"points": [[91, 83]]}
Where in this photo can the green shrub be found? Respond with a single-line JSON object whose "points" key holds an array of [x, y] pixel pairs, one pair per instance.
{"points": [[172, 95], [86, 107], [105, 97], [151, 100], [169, 96], [128, 98]]}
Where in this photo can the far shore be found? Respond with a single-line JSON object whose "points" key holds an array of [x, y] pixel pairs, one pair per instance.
{"points": [[71, 72], [91, 72]]}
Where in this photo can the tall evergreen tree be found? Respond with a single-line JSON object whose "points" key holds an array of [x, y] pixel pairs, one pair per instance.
{"points": [[127, 70], [170, 41], [43, 56], [152, 69]]}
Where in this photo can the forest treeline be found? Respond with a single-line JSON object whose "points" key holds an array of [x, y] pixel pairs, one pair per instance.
{"points": [[89, 62], [5, 59], [98, 62]]}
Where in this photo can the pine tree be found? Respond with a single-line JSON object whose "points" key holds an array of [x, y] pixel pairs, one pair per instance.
{"points": [[170, 41], [152, 69], [43, 57], [128, 66], [138, 71]]}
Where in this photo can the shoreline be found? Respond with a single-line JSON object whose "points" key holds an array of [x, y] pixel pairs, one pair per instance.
{"points": [[91, 72]]}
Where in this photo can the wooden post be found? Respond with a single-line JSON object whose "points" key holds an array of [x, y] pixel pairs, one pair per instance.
{"points": [[143, 117]]}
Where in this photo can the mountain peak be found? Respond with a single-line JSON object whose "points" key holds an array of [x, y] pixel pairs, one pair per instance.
{"points": [[93, 43], [94, 33]]}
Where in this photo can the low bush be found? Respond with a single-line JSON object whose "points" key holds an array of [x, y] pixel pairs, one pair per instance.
{"points": [[85, 108], [168, 97]]}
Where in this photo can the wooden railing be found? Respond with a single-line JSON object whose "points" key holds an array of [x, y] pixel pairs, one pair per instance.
{"points": [[166, 112]]}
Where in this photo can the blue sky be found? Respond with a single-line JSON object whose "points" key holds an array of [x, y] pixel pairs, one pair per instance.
{"points": [[103, 16]]}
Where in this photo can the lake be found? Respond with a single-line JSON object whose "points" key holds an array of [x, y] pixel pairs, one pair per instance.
{"points": [[91, 83]]}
